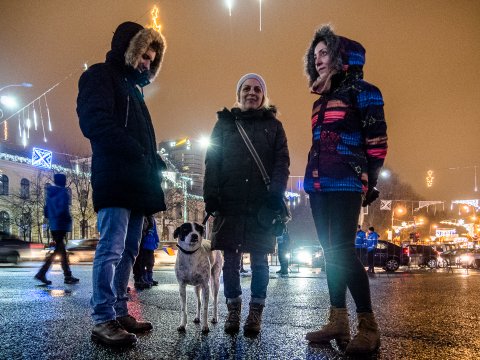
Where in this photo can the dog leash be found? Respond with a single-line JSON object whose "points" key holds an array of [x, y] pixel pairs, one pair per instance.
{"points": [[204, 222]]}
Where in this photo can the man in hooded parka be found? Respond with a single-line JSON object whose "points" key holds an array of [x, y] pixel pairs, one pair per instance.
{"points": [[126, 170]]}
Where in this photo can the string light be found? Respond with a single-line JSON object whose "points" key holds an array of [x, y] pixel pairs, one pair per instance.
{"points": [[155, 25], [429, 178], [229, 6], [260, 6]]}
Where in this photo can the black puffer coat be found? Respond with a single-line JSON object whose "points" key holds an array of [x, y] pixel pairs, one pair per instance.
{"points": [[232, 177], [126, 169]]}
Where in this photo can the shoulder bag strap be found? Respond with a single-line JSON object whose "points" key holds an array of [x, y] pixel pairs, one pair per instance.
{"points": [[252, 150]]}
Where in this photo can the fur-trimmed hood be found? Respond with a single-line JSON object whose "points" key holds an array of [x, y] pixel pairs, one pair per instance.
{"points": [[131, 40], [347, 55]]}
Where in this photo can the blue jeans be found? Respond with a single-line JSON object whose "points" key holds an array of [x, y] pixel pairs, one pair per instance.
{"points": [[120, 233], [231, 276]]}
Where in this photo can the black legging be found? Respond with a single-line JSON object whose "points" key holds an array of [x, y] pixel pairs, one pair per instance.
{"points": [[336, 215], [59, 237]]}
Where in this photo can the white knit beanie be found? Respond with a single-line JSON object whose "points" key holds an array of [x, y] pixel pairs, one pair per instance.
{"points": [[257, 77]]}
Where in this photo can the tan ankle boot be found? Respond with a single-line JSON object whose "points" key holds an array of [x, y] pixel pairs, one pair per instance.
{"points": [[367, 339], [253, 323], [336, 329], [232, 323]]}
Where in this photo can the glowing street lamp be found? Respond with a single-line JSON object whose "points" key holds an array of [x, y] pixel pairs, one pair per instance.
{"points": [[8, 101]]}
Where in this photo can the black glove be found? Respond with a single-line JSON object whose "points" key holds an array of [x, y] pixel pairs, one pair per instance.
{"points": [[371, 195], [274, 201], [212, 205]]}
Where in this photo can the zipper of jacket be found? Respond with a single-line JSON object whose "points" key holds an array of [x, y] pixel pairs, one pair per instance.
{"points": [[128, 103]]}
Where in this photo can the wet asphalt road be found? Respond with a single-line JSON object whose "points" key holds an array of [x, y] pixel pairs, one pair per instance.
{"points": [[422, 315]]}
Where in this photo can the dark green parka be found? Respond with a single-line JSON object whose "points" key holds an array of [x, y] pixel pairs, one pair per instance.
{"points": [[233, 178]]}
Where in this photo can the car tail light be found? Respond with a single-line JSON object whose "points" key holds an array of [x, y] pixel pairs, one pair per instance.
{"points": [[36, 246], [406, 251]]}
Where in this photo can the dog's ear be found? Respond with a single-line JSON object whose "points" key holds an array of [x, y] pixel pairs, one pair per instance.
{"points": [[176, 232], [200, 229]]}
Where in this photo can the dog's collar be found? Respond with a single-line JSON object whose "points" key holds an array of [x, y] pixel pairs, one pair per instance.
{"points": [[187, 251]]}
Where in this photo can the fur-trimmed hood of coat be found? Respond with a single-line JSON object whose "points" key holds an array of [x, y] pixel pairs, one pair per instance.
{"points": [[131, 40], [347, 55]]}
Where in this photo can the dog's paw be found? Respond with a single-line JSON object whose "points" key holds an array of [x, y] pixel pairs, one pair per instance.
{"points": [[181, 328], [196, 320], [205, 329], [214, 320]]}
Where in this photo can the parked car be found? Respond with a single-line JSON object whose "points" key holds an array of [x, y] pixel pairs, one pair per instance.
{"points": [[82, 250], [423, 255], [13, 249], [388, 256]]}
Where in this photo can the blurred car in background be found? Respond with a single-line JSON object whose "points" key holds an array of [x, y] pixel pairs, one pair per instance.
{"points": [[422, 255], [470, 259], [452, 257], [307, 255], [388, 256], [14, 250], [81, 250]]}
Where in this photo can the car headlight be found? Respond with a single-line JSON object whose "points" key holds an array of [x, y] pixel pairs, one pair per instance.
{"points": [[304, 257], [466, 258]]}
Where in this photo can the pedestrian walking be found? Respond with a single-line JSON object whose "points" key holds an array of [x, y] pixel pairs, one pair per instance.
{"points": [[283, 246], [57, 211], [143, 266], [349, 144], [234, 191], [371, 244], [126, 171], [242, 269], [360, 243]]}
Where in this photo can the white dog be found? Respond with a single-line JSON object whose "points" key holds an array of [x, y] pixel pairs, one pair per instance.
{"points": [[199, 266]]}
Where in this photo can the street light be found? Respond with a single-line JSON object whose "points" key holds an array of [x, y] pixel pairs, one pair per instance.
{"points": [[400, 211], [8, 100], [24, 84]]}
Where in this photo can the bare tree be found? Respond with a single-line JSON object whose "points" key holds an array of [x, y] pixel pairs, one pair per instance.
{"points": [[27, 205], [80, 183]]}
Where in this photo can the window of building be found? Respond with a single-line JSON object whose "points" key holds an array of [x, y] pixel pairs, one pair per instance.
{"points": [[4, 222], [24, 188], [4, 185]]}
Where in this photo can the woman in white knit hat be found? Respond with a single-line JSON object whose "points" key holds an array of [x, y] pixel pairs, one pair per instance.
{"points": [[234, 192]]}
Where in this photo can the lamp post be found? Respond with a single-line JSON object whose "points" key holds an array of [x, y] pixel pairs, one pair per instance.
{"points": [[399, 211], [24, 84]]}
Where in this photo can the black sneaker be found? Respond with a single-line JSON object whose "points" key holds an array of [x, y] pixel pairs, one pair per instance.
{"points": [[141, 285], [42, 278], [113, 334], [70, 280]]}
